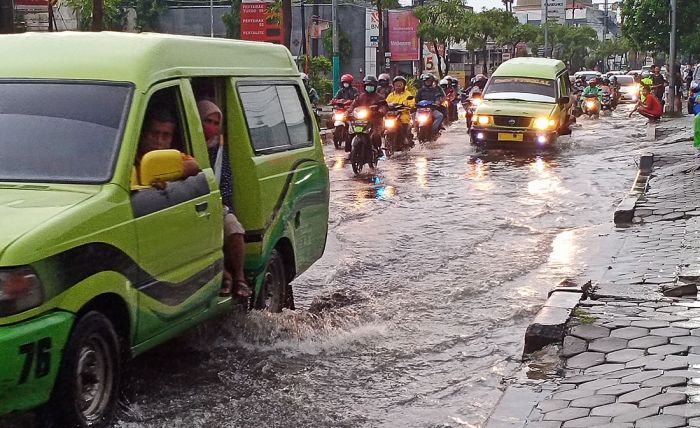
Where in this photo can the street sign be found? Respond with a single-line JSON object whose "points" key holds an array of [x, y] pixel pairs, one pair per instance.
{"points": [[556, 11], [374, 40], [505, 56]]}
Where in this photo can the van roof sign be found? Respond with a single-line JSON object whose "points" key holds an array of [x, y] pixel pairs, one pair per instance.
{"points": [[138, 58]]}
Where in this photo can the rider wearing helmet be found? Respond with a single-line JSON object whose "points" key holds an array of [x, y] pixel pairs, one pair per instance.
{"points": [[384, 87], [313, 95], [401, 96], [592, 89], [450, 95], [346, 91], [367, 98], [433, 93]]}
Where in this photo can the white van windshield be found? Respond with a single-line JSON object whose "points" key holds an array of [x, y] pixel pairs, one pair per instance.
{"points": [[65, 132], [521, 88]]}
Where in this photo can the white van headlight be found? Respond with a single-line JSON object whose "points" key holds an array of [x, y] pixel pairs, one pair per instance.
{"points": [[20, 290]]}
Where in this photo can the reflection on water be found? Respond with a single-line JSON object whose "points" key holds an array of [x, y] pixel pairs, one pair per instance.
{"points": [[563, 251], [547, 183], [339, 162], [422, 172], [476, 169]]}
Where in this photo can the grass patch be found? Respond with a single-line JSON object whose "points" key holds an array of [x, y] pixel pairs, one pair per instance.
{"points": [[584, 316]]}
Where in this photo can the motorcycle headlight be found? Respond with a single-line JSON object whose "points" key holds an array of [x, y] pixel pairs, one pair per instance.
{"points": [[483, 120], [339, 116], [590, 104], [20, 290], [389, 123], [362, 113], [543, 123], [477, 101], [422, 118]]}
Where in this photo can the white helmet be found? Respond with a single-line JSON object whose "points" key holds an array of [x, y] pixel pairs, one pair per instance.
{"points": [[444, 82]]}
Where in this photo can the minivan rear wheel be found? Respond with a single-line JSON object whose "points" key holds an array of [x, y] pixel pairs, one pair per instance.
{"points": [[275, 293]]}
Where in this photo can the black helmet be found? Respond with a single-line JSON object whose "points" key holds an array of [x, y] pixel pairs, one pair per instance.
{"points": [[369, 80], [427, 76], [399, 79]]}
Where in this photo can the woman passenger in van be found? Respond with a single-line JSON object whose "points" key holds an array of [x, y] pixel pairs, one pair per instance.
{"points": [[234, 245]]}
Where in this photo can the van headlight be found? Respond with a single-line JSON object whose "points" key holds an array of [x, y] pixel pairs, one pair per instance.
{"points": [[483, 119], [20, 290], [543, 123]]}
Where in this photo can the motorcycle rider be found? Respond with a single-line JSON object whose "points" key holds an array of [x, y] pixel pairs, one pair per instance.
{"points": [[313, 95], [346, 91], [449, 96], [367, 98], [401, 96], [605, 87], [592, 89], [384, 87], [433, 93]]}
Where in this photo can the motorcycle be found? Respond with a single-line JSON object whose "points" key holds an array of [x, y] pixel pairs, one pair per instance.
{"points": [[590, 105], [606, 102], [472, 102], [392, 130], [341, 135], [361, 128], [424, 120]]}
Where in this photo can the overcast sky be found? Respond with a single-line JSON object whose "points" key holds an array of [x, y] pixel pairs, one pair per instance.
{"points": [[488, 4]]}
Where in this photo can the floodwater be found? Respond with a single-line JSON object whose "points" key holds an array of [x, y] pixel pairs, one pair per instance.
{"points": [[415, 316]]}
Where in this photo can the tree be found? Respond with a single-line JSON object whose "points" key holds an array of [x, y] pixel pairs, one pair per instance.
{"points": [[441, 24], [344, 45], [611, 47], [572, 44], [520, 33], [493, 24], [232, 20], [113, 14]]}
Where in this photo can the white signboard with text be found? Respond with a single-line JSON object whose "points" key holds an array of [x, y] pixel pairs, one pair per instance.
{"points": [[556, 10]]}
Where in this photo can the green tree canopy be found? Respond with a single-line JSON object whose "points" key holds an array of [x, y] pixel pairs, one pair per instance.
{"points": [[441, 24]]}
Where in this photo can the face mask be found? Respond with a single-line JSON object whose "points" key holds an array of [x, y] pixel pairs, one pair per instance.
{"points": [[210, 130], [370, 89], [346, 85]]}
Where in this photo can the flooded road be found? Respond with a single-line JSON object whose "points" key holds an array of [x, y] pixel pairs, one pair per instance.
{"points": [[415, 316]]}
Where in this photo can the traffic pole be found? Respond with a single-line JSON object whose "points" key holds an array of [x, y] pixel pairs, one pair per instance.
{"points": [[336, 56], [546, 35], [672, 58]]}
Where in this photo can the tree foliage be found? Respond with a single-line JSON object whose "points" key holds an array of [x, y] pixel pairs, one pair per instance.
{"points": [[646, 25], [232, 20], [344, 45], [442, 22], [115, 12], [571, 44]]}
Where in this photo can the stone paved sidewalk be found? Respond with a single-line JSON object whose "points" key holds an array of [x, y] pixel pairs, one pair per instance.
{"points": [[631, 357]]}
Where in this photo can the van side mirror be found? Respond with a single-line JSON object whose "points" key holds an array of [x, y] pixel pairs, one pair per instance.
{"points": [[160, 165], [564, 100]]}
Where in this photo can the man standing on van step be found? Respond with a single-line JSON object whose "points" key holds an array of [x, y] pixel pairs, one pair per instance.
{"points": [[234, 233]]}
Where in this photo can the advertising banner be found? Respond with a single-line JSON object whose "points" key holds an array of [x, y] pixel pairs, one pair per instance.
{"points": [[257, 23], [403, 40]]}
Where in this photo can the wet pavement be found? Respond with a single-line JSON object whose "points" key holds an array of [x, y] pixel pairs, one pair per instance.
{"points": [[415, 316], [631, 357]]}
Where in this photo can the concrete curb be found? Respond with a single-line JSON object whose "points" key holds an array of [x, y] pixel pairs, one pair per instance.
{"points": [[624, 213], [549, 325]]}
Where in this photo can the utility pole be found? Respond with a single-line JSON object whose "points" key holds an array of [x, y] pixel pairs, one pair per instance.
{"points": [[7, 17], [97, 8], [303, 38], [420, 49], [605, 32], [211, 18], [336, 56], [672, 58], [546, 35]]}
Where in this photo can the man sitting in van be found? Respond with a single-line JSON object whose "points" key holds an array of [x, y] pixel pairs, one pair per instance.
{"points": [[157, 134]]}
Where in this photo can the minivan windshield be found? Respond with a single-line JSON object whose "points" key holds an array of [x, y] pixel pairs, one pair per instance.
{"points": [[65, 132], [521, 88]]}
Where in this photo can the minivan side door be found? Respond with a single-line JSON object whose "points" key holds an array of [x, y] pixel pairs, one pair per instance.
{"points": [[179, 230]]}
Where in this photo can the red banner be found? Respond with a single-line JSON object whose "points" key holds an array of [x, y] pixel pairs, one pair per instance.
{"points": [[258, 23], [31, 3], [403, 41]]}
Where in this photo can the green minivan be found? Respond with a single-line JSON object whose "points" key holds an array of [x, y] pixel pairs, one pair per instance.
{"points": [[526, 101], [95, 267]]}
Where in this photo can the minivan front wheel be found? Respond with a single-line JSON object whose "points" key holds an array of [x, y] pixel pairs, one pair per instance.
{"points": [[275, 293], [87, 385]]}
